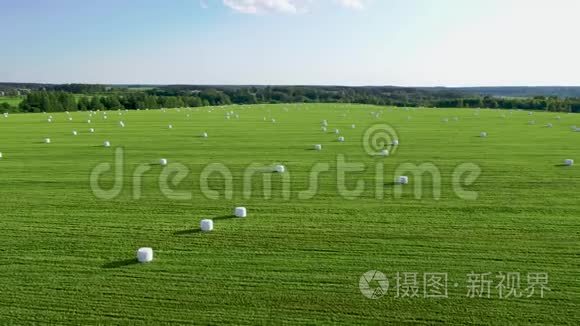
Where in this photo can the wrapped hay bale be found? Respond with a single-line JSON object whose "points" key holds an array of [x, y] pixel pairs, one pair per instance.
{"points": [[279, 168], [403, 180], [240, 212], [145, 255], [206, 225]]}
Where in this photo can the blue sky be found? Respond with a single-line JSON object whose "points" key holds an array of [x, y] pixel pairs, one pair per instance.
{"points": [[338, 42]]}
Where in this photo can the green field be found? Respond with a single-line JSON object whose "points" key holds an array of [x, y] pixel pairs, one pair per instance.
{"points": [[68, 256], [12, 100]]}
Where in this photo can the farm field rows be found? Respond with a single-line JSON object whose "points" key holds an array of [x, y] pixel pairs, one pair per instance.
{"points": [[68, 256]]}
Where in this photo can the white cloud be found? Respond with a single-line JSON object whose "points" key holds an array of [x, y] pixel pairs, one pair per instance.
{"points": [[352, 4], [265, 6], [203, 4], [284, 6]]}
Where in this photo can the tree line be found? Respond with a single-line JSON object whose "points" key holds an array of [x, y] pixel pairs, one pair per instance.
{"points": [[79, 97]]}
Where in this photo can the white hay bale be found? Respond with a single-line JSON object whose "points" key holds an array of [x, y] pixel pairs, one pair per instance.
{"points": [[240, 212], [273, 120], [106, 143], [5, 114], [445, 119], [206, 225], [402, 180], [353, 126], [318, 147], [532, 122], [49, 120], [341, 139], [170, 127], [323, 129], [74, 132], [89, 121], [395, 142], [569, 162], [384, 152], [122, 124], [105, 117], [204, 135], [144, 255], [336, 131], [91, 130], [47, 140], [530, 113], [1, 155], [483, 134], [279, 168], [69, 118], [325, 123], [549, 125], [163, 161]]}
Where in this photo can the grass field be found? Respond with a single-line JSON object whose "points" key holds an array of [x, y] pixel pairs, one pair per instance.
{"points": [[12, 100], [67, 256]]}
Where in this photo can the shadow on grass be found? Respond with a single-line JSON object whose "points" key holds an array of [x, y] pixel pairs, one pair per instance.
{"points": [[188, 232], [562, 165], [224, 217], [120, 263], [198, 230], [390, 184]]}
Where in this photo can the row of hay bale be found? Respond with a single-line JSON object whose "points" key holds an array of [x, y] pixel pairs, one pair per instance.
{"points": [[145, 254]]}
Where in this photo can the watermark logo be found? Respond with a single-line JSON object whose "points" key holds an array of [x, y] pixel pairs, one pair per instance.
{"points": [[434, 285], [373, 284], [380, 137], [350, 179]]}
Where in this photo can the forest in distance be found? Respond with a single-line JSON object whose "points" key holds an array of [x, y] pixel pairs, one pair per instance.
{"points": [[84, 97]]}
